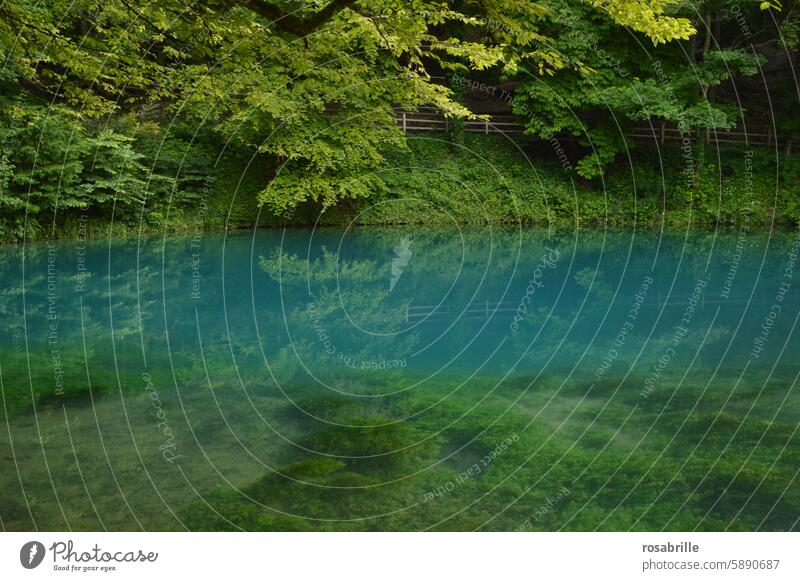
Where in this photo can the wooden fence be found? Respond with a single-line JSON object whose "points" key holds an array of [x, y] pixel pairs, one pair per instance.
{"points": [[431, 119]]}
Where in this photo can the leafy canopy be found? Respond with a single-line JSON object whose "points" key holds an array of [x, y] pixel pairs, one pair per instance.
{"points": [[308, 87]]}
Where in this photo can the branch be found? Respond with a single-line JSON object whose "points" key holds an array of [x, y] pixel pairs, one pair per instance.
{"points": [[288, 22]]}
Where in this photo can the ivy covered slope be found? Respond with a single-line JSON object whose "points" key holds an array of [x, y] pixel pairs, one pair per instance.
{"points": [[169, 114]]}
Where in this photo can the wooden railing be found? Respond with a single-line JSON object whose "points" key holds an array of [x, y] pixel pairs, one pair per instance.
{"points": [[664, 133], [431, 119]]}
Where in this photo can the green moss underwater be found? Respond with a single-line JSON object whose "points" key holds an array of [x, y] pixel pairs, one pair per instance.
{"points": [[527, 453]]}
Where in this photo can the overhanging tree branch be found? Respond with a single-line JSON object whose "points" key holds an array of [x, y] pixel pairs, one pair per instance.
{"points": [[290, 23]]}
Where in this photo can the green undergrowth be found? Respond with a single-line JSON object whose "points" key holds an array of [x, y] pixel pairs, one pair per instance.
{"points": [[487, 180]]}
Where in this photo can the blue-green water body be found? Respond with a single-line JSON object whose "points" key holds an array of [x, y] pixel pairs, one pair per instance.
{"points": [[402, 379]]}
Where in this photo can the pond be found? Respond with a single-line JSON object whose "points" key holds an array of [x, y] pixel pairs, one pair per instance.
{"points": [[403, 379]]}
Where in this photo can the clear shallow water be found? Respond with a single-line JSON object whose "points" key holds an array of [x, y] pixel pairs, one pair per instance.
{"points": [[402, 379]]}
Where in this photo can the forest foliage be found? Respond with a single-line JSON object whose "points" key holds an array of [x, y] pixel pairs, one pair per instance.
{"points": [[130, 109]]}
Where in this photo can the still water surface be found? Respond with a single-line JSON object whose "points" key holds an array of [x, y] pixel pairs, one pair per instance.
{"points": [[402, 379]]}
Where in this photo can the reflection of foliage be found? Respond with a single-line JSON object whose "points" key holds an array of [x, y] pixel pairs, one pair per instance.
{"points": [[319, 327]]}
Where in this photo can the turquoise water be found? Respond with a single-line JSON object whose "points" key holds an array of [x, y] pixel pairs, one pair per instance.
{"points": [[402, 379]]}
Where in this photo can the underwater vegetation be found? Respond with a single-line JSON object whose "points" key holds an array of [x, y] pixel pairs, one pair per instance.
{"points": [[719, 471], [301, 389]]}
